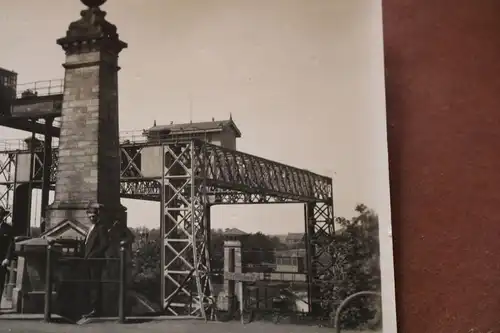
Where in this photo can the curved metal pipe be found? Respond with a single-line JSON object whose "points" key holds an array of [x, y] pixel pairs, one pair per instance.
{"points": [[345, 302]]}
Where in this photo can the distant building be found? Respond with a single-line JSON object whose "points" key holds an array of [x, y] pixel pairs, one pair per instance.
{"points": [[8, 85], [234, 234], [8, 78], [290, 261], [292, 240]]}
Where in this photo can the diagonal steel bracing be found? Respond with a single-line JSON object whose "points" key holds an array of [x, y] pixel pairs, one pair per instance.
{"points": [[7, 177], [186, 269]]}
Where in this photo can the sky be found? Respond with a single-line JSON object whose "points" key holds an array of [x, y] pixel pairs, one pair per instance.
{"points": [[303, 80]]}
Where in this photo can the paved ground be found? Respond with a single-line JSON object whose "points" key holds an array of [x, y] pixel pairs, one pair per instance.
{"points": [[171, 326]]}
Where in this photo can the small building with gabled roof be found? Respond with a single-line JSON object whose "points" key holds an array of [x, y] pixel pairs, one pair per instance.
{"points": [[217, 132]]}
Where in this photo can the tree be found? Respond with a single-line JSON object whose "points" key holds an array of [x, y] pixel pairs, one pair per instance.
{"points": [[146, 259], [259, 249], [356, 265]]}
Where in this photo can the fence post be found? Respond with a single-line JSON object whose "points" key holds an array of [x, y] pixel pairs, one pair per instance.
{"points": [[123, 280], [48, 283]]}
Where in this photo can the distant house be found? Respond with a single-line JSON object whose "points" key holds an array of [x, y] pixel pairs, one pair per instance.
{"points": [[290, 261], [292, 239], [233, 233]]}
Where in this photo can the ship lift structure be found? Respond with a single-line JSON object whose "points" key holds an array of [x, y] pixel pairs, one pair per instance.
{"points": [[193, 176]]}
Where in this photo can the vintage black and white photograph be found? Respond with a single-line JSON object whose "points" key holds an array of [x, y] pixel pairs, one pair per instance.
{"points": [[187, 165]]}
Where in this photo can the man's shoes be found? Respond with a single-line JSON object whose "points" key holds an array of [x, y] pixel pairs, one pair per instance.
{"points": [[91, 314]]}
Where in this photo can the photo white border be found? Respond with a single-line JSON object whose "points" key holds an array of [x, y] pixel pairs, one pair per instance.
{"points": [[380, 161]]}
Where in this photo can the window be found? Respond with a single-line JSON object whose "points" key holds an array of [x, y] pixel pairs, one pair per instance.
{"points": [[12, 82]]}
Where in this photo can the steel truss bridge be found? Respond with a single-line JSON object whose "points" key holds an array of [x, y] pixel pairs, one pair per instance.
{"points": [[192, 177], [196, 176]]}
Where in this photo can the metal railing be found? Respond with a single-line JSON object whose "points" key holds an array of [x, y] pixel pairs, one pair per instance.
{"points": [[10, 282], [9, 145], [126, 137], [142, 136], [51, 280], [40, 88]]}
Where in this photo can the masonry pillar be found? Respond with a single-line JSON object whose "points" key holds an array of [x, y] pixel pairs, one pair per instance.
{"points": [[232, 263], [89, 152]]}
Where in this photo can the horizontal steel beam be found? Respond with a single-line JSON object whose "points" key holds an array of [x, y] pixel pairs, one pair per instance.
{"points": [[231, 177], [28, 125]]}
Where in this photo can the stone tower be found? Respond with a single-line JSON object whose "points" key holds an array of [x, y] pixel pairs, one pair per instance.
{"points": [[89, 152]]}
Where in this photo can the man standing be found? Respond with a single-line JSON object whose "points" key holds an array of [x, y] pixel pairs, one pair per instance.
{"points": [[6, 247], [96, 244]]}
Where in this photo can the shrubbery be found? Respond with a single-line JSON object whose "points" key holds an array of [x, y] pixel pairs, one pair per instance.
{"points": [[146, 260], [356, 267]]}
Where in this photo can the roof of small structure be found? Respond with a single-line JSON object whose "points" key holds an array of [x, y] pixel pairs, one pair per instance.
{"points": [[6, 71], [34, 242], [197, 128], [234, 232]]}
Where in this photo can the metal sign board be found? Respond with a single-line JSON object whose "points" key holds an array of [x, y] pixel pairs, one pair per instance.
{"points": [[244, 277]]}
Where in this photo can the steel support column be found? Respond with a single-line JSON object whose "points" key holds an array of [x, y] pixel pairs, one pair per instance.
{"points": [[320, 237], [46, 171], [309, 232], [8, 179], [30, 183], [162, 228], [184, 238]]}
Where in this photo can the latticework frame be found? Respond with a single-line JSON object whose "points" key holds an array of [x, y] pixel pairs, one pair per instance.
{"points": [[196, 176]]}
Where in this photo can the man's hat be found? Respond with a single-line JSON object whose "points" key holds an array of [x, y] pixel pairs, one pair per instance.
{"points": [[94, 206]]}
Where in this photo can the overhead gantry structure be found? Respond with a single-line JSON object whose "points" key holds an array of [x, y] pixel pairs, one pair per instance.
{"points": [[197, 175], [189, 176]]}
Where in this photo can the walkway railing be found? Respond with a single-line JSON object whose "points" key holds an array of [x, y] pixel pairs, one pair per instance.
{"points": [[126, 137], [40, 88]]}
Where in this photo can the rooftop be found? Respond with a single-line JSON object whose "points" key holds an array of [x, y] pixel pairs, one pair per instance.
{"points": [[234, 232], [3, 70], [197, 128]]}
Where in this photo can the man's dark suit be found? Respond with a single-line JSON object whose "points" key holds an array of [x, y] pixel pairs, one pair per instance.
{"points": [[95, 247], [6, 250]]}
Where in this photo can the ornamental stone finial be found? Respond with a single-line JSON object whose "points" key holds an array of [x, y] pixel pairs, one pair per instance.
{"points": [[93, 3], [91, 32]]}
